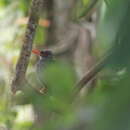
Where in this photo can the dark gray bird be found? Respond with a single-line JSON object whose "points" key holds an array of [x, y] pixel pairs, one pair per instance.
{"points": [[36, 79]]}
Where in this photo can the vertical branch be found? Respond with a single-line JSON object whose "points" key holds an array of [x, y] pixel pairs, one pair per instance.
{"points": [[23, 60], [83, 58], [59, 13], [50, 17], [62, 16]]}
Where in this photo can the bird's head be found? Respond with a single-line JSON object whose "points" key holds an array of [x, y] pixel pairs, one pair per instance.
{"points": [[44, 54]]}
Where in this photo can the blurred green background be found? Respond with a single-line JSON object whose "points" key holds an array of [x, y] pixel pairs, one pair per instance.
{"points": [[107, 107]]}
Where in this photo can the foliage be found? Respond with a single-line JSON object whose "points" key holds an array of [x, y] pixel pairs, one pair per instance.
{"points": [[106, 108]]}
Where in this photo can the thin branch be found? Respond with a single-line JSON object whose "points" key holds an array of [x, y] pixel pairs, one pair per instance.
{"points": [[93, 71], [89, 10], [23, 60]]}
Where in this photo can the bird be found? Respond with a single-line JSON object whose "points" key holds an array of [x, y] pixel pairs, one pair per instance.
{"points": [[45, 57], [37, 78]]}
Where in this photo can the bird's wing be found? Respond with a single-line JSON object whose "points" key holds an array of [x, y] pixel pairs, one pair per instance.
{"points": [[34, 82]]}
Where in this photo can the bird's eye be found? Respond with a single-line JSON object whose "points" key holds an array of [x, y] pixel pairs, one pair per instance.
{"points": [[45, 54]]}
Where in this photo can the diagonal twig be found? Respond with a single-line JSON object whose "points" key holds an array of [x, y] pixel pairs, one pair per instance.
{"points": [[93, 71], [89, 10]]}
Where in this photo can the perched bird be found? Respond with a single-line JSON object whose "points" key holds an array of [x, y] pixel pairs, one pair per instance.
{"points": [[36, 79], [45, 57]]}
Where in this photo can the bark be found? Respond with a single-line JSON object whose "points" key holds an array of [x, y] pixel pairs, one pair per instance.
{"points": [[23, 60], [59, 14]]}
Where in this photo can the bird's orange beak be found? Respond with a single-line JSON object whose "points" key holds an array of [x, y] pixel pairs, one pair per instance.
{"points": [[36, 51]]}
